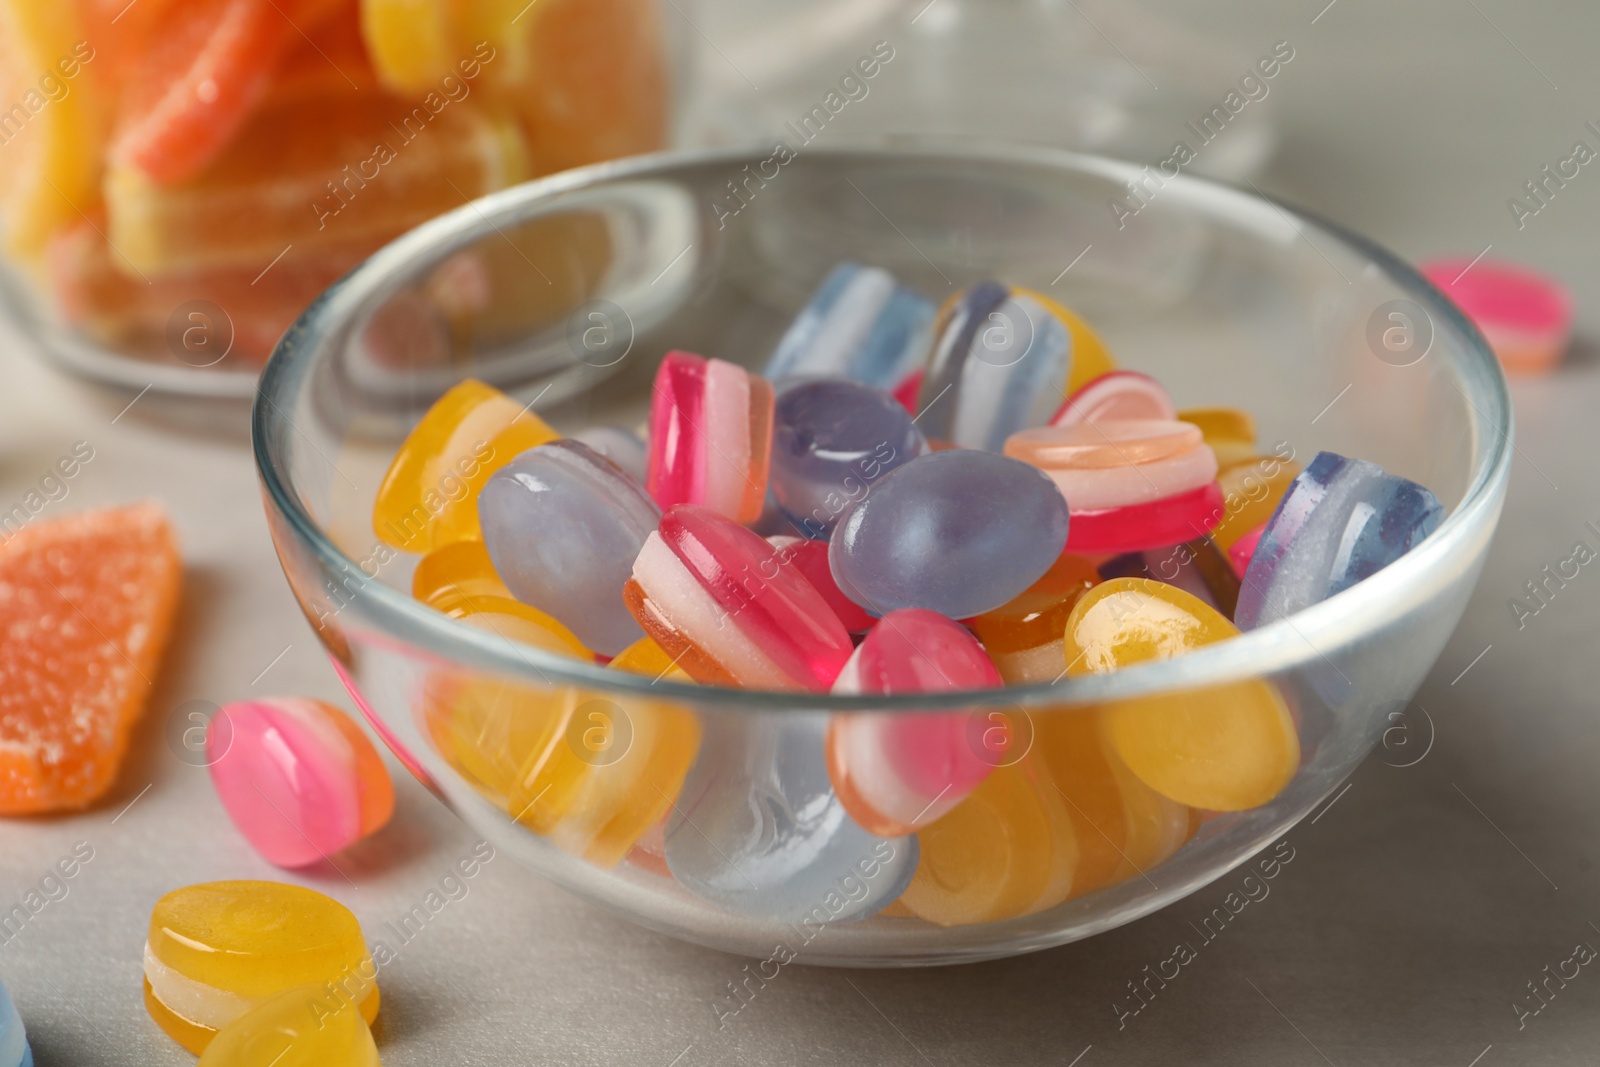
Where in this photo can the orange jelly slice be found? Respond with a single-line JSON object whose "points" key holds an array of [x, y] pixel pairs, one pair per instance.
{"points": [[86, 604]]}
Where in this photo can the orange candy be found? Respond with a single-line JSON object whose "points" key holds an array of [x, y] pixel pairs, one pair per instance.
{"points": [[86, 604]]}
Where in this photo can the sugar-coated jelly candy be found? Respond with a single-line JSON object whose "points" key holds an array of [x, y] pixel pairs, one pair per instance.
{"points": [[1525, 316], [461, 570], [1118, 394], [1341, 520], [1226, 747], [563, 525], [1008, 849], [300, 1027], [1251, 489], [1197, 567], [1231, 433], [1117, 463], [1023, 635], [14, 1050], [1154, 524], [710, 436], [299, 779], [927, 536], [620, 445], [758, 829], [86, 604], [860, 324], [832, 439], [429, 497], [719, 599], [810, 558], [217, 950], [896, 772], [1123, 826]]}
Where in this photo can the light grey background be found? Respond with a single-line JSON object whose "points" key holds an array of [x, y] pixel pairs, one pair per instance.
{"points": [[1417, 905]]}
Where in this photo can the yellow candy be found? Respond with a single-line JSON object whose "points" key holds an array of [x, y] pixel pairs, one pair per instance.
{"points": [[1023, 636], [1251, 489], [411, 42], [1123, 826], [1225, 748], [299, 1027], [216, 951], [429, 497], [1008, 849], [646, 657], [1231, 433], [487, 729], [50, 136], [461, 571]]}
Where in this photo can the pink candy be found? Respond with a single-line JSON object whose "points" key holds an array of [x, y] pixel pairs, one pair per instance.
{"points": [[1118, 394], [710, 436], [1140, 527], [300, 780], [1243, 550], [810, 558], [1525, 316], [896, 772]]}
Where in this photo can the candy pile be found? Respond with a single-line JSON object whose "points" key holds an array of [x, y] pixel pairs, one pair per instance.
{"points": [[954, 500], [186, 175]]}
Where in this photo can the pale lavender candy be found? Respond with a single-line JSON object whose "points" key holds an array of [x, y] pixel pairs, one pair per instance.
{"points": [[14, 1051], [860, 324], [562, 525], [1340, 521], [618, 444], [758, 830], [831, 439], [1000, 364], [959, 532]]}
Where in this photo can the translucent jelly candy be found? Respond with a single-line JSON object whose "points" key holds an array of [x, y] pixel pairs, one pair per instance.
{"points": [[1225, 748], [894, 773], [300, 1027], [1119, 394], [51, 155], [1001, 360], [1023, 635], [299, 779], [86, 603], [721, 601], [860, 324], [365, 171], [620, 445], [217, 950], [461, 570], [926, 537], [563, 526], [428, 498], [759, 830], [810, 558], [1251, 489], [1231, 433], [14, 1050], [710, 436], [1525, 316], [1008, 849], [1243, 550], [1197, 567], [1342, 520], [1156, 524], [1123, 827], [1117, 463], [831, 440]]}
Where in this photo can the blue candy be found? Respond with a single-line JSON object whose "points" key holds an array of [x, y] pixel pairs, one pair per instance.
{"points": [[959, 532], [860, 324], [831, 439], [14, 1050], [1000, 364], [562, 525], [1341, 520], [758, 830]]}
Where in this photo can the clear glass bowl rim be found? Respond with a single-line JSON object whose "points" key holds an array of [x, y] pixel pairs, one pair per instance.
{"points": [[1310, 635]]}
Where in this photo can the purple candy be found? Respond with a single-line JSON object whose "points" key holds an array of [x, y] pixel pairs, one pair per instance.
{"points": [[831, 439], [958, 532], [562, 525]]}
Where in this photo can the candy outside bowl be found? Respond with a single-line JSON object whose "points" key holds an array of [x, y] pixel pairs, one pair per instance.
{"points": [[1227, 298]]}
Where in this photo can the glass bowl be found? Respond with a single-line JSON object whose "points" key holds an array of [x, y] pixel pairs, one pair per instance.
{"points": [[584, 280]]}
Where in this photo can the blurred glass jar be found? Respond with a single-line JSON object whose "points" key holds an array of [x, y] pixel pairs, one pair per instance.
{"points": [[180, 178], [1090, 75]]}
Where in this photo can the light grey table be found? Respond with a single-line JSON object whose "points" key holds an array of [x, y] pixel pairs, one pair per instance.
{"points": [[1419, 904]]}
